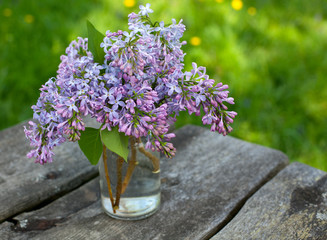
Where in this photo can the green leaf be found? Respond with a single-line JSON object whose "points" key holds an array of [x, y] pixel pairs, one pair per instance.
{"points": [[91, 145], [94, 40], [116, 141]]}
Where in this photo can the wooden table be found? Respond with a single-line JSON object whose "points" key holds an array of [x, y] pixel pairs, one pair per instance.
{"points": [[216, 187]]}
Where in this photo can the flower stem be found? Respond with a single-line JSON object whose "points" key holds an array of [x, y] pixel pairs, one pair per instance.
{"points": [[120, 162], [155, 161], [131, 165], [104, 156]]}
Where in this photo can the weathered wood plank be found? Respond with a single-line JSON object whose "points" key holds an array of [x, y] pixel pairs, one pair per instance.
{"points": [[24, 184], [208, 180], [293, 205], [27, 225]]}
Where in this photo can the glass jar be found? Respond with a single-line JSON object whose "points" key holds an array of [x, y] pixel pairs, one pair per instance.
{"points": [[130, 190]]}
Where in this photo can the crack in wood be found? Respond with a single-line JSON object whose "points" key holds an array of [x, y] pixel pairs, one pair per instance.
{"points": [[50, 199], [242, 202]]}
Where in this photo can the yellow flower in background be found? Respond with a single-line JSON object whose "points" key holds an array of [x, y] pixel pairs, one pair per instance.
{"points": [[252, 11], [219, 1], [195, 41], [237, 4], [29, 18], [129, 3], [7, 12]]}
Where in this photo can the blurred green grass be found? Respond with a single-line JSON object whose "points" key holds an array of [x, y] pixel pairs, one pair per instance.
{"points": [[272, 53]]}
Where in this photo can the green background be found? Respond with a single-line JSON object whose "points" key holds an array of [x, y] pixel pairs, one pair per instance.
{"points": [[273, 56]]}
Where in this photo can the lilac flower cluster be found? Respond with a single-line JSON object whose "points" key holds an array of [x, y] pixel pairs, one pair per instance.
{"points": [[140, 87]]}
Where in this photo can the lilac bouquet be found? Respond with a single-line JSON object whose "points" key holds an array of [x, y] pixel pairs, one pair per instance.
{"points": [[133, 83]]}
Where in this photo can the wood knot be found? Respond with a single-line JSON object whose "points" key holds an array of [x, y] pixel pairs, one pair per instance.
{"points": [[34, 224], [303, 197], [51, 175], [170, 181]]}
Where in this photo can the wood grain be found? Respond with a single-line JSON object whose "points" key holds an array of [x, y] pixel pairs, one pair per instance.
{"points": [[293, 205], [202, 188], [25, 185]]}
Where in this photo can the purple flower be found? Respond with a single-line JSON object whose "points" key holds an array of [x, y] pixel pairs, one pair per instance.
{"points": [[208, 119], [105, 94], [130, 105], [199, 98], [173, 89], [113, 115], [145, 10], [67, 108], [115, 101]]}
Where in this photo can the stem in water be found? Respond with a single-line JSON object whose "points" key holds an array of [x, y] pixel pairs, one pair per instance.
{"points": [[104, 156]]}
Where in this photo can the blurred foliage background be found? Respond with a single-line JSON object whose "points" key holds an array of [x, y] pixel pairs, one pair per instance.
{"points": [[272, 53]]}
